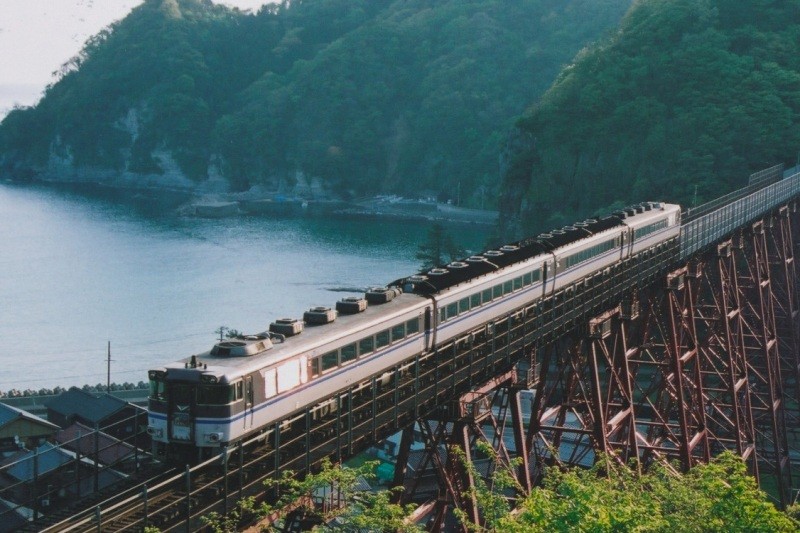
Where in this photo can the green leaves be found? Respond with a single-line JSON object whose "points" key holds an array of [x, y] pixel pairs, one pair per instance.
{"points": [[688, 93]]}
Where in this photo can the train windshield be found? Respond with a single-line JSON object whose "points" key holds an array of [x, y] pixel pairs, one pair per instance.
{"points": [[214, 394], [157, 388]]}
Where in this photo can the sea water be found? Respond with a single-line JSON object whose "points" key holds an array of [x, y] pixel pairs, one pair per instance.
{"points": [[80, 268]]}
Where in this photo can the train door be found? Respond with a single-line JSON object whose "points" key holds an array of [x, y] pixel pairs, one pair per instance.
{"points": [[428, 328], [248, 402], [627, 244], [180, 412], [549, 273]]}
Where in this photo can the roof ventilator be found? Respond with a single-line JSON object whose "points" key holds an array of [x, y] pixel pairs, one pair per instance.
{"points": [[320, 315], [351, 305], [382, 295], [287, 326]]}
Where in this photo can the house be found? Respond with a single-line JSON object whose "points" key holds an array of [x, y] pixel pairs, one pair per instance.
{"points": [[118, 418], [50, 476], [79, 438], [13, 517], [20, 429]]}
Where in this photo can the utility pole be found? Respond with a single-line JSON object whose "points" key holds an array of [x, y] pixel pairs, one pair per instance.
{"points": [[108, 369]]}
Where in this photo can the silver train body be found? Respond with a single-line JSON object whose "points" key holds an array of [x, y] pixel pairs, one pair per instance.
{"points": [[245, 384]]}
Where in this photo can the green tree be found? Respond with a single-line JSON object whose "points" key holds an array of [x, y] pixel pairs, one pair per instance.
{"points": [[438, 249], [720, 496], [360, 510]]}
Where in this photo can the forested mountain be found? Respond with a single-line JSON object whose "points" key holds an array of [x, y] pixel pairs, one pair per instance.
{"points": [[368, 95], [680, 104]]}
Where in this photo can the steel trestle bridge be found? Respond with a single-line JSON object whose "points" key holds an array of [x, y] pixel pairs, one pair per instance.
{"points": [[673, 355]]}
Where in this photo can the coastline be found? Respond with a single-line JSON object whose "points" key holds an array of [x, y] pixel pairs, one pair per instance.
{"points": [[212, 202]]}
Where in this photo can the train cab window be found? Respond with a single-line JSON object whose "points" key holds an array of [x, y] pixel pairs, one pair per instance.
{"points": [[398, 332], [382, 339], [330, 360], [412, 326], [452, 310], [315, 367], [507, 287], [487, 296], [348, 353], [214, 394], [497, 291], [365, 346], [157, 389], [463, 305], [517, 283], [475, 300]]}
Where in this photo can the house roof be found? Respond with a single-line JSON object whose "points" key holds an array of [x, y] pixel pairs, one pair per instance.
{"points": [[9, 414], [49, 458], [13, 516], [79, 437], [93, 408]]}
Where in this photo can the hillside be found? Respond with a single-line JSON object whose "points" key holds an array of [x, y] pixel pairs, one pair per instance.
{"points": [[367, 96], [680, 104]]}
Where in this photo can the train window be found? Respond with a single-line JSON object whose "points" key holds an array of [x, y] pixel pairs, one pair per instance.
{"points": [[497, 291], [452, 310], [487, 296], [214, 394], [526, 278], [270, 386], [382, 339], [463, 305], [157, 388], [289, 375], [348, 353], [412, 326], [315, 367], [507, 287], [366, 346], [238, 390], [475, 300], [536, 275], [330, 360], [518, 283], [442, 315], [398, 332]]}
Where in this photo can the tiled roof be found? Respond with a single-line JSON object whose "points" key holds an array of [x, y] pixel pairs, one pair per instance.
{"points": [[79, 437], [13, 516], [50, 458], [9, 414], [90, 407]]}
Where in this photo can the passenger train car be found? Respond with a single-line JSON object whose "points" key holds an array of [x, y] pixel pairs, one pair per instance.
{"points": [[242, 385]]}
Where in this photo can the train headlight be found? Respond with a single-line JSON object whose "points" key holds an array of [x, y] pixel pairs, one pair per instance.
{"points": [[155, 432], [208, 379], [213, 437]]}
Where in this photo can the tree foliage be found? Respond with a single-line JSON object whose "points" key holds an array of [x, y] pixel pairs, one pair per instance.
{"points": [[719, 496], [361, 510], [689, 95], [438, 249], [370, 95]]}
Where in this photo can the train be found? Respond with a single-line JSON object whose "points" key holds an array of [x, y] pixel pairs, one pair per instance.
{"points": [[207, 402]]}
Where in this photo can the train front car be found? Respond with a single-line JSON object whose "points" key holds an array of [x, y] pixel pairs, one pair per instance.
{"points": [[192, 402]]}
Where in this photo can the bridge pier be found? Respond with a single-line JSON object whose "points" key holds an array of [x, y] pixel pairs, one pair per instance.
{"points": [[706, 360], [464, 440]]}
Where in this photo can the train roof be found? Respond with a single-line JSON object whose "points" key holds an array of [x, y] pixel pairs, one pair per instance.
{"points": [[441, 278], [313, 341]]}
